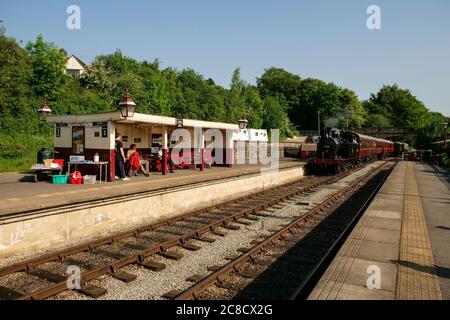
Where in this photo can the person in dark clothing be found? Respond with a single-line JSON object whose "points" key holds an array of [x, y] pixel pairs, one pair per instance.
{"points": [[169, 161], [120, 159]]}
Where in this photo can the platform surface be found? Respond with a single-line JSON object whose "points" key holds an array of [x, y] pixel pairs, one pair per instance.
{"points": [[19, 194], [434, 190], [400, 247]]}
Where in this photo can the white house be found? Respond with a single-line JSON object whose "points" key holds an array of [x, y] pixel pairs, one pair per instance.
{"points": [[75, 66]]}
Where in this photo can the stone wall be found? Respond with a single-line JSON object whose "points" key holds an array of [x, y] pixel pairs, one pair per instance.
{"points": [[23, 234]]}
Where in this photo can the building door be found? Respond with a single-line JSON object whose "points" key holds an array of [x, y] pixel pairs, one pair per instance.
{"points": [[78, 140]]}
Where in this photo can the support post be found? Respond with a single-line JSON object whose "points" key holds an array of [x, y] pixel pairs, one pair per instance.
{"points": [[164, 151], [228, 155], [202, 149]]}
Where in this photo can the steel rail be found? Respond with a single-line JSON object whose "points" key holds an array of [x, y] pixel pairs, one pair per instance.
{"points": [[195, 291], [304, 289], [139, 257], [60, 255]]}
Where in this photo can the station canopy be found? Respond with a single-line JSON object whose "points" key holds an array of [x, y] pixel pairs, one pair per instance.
{"points": [[141, 119]]}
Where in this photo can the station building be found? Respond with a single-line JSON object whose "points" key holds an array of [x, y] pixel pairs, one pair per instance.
{"points": [[185, 140]]}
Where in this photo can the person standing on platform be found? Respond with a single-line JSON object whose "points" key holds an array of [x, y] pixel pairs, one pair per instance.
{"points": [[120, 159]]}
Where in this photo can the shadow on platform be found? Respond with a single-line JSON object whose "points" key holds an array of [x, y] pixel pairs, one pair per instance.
{"points": [[442, 272], [282, 277]]}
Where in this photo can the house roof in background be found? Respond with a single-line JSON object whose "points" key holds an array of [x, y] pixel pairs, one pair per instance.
{"points": [[78, 60]]}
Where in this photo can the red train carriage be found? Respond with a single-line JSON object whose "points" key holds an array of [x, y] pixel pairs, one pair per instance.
{"points": [[367, 146], [387, 147], [371, 147]]}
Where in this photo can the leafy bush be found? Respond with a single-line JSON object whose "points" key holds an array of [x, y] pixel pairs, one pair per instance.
{"points": [[446, 160], [21, 150]]}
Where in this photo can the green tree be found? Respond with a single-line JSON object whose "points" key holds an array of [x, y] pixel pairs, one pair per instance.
{"points": [[98, 77], [432, 130], [275, 116], [78, 100], [18, 103], [399, 106], [308, 97], [192, 83], [317, 96], [274, 113], [118, 63], [48, 65], [254, 107], [377, 121], [276, 82], [235, 106], [355, 113]]}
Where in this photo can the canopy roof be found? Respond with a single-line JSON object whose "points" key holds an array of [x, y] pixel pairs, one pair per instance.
{"points": [[139, 118]]}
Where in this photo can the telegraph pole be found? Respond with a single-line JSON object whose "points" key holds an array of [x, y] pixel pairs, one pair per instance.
{"points": [[318, 122], [445, 133]]}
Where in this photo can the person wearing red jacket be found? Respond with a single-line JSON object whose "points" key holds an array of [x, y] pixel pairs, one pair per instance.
{"points": [[135, 161]]}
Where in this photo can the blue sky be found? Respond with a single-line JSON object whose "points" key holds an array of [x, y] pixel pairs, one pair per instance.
{"points": [[328, 40]]}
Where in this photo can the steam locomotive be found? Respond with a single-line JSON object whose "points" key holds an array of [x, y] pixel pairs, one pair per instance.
{"points": [[338, 149]]}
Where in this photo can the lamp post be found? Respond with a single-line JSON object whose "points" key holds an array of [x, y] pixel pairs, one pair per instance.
{"points": [[243, 123], [127, 106], [44, 111], [445, 133]]}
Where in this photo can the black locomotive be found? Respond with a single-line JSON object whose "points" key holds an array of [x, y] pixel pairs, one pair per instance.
{"points": [[338, 149], [335, 144]]}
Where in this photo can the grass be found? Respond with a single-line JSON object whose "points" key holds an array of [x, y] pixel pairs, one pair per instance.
{"points": [[19, 152], [16, 165]]}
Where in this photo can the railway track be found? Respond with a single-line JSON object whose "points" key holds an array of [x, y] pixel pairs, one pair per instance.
{"points": [[107, 256], [287, 264]]}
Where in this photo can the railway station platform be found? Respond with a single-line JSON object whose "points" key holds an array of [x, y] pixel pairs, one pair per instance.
{"points": [[399, 249], [18, 192], [41, 215]]}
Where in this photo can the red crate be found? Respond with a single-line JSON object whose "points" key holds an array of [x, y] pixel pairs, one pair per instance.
{"points": [[60, 162], [76, 181], [76, 178]]}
